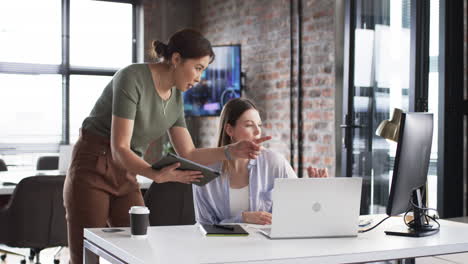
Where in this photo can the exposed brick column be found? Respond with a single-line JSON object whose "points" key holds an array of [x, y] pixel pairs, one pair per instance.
{"points": [[262, 27]]}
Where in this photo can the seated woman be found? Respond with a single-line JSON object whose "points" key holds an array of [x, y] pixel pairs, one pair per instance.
{"points": [[243, 192]]}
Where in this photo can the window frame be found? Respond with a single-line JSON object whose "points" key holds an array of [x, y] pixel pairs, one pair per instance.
{"points": [[453, 108], [66, 70]]}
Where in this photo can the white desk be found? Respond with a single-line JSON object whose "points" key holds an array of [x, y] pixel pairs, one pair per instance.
{"points": [[185, 244], [17, 176]]}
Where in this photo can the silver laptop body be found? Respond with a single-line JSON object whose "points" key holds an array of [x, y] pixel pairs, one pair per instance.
{"points": [[315, 207]]}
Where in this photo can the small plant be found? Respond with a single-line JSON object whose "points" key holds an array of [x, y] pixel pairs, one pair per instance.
{"points": [[168, 148]]}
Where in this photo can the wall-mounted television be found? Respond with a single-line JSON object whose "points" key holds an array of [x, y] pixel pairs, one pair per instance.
{"points": [[219, 83]]}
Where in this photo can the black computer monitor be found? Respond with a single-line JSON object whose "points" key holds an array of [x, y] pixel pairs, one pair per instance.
{"points": [[410, 173]]}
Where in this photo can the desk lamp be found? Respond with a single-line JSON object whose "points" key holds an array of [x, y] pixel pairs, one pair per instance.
{"points": [[389, 129]]}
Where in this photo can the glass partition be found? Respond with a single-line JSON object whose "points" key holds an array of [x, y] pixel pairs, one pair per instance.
{"points": [[381, 83]]}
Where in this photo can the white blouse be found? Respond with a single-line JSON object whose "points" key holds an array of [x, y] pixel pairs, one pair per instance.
{"points": [[239, 200]]}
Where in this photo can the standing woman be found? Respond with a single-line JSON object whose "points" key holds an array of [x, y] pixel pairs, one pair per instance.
{"points": [[140, 104]]}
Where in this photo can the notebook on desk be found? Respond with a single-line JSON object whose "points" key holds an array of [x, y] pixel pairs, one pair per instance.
{"points": [[223, 230], [315, 207]]}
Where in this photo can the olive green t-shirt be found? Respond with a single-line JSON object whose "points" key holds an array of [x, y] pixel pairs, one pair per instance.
{"points": [[131, 95]]}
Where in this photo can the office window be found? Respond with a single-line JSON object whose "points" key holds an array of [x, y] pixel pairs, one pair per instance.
{"points": [[30, 86], [31, 108], [84, 91], [100, 34], [39, 69], [381, 83], [385, 77], [30, 31], [96, 45]]}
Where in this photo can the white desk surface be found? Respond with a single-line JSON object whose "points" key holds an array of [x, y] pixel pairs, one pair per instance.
{"points": [[17, 176], [186, 244]]}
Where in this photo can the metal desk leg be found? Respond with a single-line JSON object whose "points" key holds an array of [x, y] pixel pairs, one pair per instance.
{"points": [[89, 253], [92, 252], [406, 261]]}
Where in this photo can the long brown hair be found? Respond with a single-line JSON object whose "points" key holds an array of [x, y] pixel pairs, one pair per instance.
{"points": [[189, 43], [232, 111]]}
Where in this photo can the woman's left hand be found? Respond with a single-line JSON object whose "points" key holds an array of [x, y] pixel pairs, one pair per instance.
{"points": [[317, 173], [247, 149]]}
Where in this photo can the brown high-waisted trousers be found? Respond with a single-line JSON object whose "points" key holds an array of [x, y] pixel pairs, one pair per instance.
{"points": [[97, 191]]}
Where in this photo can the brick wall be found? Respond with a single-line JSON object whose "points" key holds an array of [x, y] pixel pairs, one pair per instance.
{"points": [[263, 29], [319, 83], [163, 18]]}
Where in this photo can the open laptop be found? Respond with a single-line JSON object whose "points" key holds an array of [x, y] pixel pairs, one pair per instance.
{"points": [[315, 207]]}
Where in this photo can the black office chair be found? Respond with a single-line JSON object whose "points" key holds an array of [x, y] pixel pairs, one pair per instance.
{"points": [[3, 166], [35, 216], [47, 163], [170, 203]]}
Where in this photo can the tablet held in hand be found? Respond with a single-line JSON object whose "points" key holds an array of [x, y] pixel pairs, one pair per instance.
{"points": [[185, 164]]}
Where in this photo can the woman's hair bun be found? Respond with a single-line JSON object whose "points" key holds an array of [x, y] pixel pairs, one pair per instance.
{"points": [[189, 43], [160, 49]]}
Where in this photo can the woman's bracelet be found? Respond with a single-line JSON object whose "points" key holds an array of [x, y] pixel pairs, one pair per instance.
{"points": [[227, 153]]}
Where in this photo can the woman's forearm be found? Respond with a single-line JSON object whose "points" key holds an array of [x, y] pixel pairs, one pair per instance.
{"points": [[205, 156], [121, 134], [183, 144], [131, 162]]}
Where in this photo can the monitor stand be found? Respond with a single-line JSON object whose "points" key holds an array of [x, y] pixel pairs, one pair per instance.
{"points": [[409, 232], [418, 227]]}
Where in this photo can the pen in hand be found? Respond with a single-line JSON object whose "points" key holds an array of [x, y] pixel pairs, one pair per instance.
{"points": [[224, 227]]}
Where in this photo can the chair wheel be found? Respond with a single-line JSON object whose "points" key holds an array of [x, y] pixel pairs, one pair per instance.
{"points": [[3, 257], [32, 254], [56, 261], [23, 261]]}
